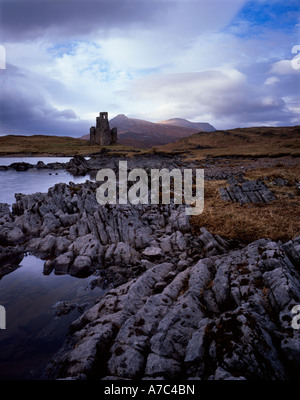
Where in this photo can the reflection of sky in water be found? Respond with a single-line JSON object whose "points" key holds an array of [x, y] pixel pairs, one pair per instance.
{"points": [[32, 160], [32, 332], [32, 180]]}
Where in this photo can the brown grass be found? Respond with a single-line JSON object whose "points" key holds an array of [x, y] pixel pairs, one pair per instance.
{"points": [[54, 145], [247, 142], [277, 220]]}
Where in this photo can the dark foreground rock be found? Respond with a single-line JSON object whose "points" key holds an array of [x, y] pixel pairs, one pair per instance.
{"points": [[81, 165], [10, 258], [177, 305], [224, 317], [75, 235]]}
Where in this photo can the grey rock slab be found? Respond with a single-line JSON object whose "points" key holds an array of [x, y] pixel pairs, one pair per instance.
{"points": [[160, 366], [215, 319], [152, 251], [125, 255], [245, 192], [62, 263], [223, 375]]}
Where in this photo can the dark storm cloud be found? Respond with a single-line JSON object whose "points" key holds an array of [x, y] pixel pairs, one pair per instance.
{"points": [[29, 19], [25, 110]]}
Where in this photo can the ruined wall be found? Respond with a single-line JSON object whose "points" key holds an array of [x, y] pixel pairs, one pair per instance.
{"points": [[92, 135], [102, 134]]}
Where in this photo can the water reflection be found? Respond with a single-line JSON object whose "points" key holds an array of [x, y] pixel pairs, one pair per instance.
{"points": [[33, 180], [33, 160], [33, 333]]}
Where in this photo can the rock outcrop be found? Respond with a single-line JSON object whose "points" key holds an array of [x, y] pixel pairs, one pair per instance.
{"points": [[223, 317], [10, 258], [75, 235], [243, 191], [177, 305]]}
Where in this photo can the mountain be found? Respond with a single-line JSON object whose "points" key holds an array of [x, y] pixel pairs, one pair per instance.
{"points": [[145, 134], [200, 126]]}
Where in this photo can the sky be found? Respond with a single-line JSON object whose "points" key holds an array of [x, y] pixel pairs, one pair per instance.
{"points": [[231, 63]]}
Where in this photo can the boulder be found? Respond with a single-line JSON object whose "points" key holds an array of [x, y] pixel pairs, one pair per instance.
{"points": [[77, 165], [10, 259], [41, 165], [81, 266], [4, 209], [153, 252], [62, 263]]}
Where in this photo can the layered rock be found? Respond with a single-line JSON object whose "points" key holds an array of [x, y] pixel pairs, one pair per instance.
{"points": [[224, 317], [74, 234], [178, 305], [243, 191], [80, 165], [10, 258]]}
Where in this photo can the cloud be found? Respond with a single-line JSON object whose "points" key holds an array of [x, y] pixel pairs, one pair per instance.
{"points": [[286, 67], [74, 18], [24, 109], [69, 59], [225, 97], [29, 19]]}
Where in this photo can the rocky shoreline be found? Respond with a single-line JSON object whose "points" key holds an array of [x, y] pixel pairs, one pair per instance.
{"points": [[223, 317], [178, 305]]}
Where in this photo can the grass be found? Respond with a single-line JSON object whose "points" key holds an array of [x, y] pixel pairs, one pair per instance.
{"points": [[277, 220], [55, 145], [246, 142]]}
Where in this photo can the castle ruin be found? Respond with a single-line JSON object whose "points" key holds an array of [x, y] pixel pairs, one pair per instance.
{"points": [[102, 134]]}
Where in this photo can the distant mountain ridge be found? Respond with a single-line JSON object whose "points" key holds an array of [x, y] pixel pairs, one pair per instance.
{"points": [[201, 126], [144, 134]]}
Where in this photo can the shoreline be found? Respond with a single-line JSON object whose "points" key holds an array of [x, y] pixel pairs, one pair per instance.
{"points": [[35, 155], [164, 274]]}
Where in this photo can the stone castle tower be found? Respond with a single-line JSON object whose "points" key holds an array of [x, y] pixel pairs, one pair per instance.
{"points": [[102, 134]]}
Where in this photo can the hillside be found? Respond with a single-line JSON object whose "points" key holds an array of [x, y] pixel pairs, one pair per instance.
{"points": [[144, 134], [254, 141], [200, 126]]}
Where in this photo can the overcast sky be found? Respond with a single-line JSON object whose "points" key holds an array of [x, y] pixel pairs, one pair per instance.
{"points": [[226, 62]]}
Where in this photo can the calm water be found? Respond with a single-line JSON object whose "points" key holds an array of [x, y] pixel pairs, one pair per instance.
{"points": [[33, 333], [32, 180], [32, 160]]}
